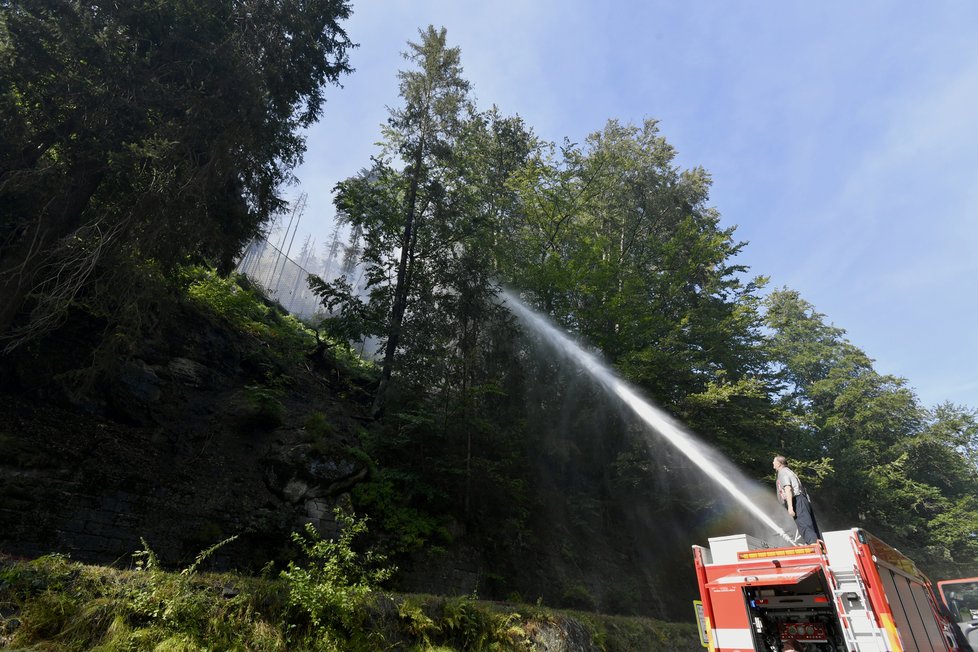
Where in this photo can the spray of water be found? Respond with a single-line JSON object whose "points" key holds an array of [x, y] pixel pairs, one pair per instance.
{"points": [[653, 416]]}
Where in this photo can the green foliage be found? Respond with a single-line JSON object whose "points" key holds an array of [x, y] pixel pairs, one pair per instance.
{"points": [[418, 624], [236, 300], [267, 410], [427, 208], [577, 596], [332, 587], [625, 634], [67, 606], [953, 534], [53, 572], [814, 473], [620, 245], [903, 472], [477, 629], [320, 431], [349, 317], [63, 606], [170, 599], [461, 623], [408, 529], [142, 131], [318, 425], [226, 297], [408, 493], [285, 340]]}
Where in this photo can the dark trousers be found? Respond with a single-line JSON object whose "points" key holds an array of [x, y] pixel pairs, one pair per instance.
{"points": [[805, 519]]}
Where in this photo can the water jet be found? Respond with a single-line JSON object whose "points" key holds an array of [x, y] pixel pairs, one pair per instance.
{"points": [[657, 419]]}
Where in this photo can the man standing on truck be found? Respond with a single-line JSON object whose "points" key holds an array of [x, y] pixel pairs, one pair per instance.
{"points": [[793, 495]]}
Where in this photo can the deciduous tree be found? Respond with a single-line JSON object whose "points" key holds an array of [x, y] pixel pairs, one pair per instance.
{"points": [[900, 470]]}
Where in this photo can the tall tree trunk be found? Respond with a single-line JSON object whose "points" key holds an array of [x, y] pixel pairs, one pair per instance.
{"points": [[400, 287]]}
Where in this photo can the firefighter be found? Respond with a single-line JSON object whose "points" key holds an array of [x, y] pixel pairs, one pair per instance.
{"points": [[794, 497]]}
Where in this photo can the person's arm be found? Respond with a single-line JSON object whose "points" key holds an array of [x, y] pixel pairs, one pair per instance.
{"points": [[789, 493]]}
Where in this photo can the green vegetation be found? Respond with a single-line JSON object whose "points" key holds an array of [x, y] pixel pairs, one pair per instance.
{"points": [[266, 406], [69, 606], [58, 605], [145, 132], [331, 587], [285, 340], [148, 141], [616, 243], [243, 306], [462, 623]]}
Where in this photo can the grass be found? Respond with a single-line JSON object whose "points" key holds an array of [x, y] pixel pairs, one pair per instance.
{"points": [[57, 605]]}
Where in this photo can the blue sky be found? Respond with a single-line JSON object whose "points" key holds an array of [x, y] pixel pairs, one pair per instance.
{"points": [[842, 138]]}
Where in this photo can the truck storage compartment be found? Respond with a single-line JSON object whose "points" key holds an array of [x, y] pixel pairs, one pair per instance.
{"points": [[796, 615]]}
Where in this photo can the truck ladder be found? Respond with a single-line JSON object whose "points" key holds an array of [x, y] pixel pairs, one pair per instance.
{"points": [[859, 627]]}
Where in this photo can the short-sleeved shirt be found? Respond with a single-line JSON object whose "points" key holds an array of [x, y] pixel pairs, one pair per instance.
{"points": [[787, 477]]}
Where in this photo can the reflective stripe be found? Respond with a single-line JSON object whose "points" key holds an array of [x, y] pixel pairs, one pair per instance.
{"points": [[733, 639], [891, 631]]}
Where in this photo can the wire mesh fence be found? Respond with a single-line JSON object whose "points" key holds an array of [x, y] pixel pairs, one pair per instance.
{"points": [[282, 278]]}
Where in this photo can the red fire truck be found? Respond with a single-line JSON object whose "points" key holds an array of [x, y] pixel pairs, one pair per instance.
{"points": [[960, 596], [850, 591]]}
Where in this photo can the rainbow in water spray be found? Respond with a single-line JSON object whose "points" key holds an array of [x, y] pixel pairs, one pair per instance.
{"points": [[654, 417]]}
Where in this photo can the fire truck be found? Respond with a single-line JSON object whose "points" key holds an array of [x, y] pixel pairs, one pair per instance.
{"points": [[960, 596], [850, 592]]}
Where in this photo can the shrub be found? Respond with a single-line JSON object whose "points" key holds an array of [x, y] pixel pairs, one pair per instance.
{"points": [[242, 305], [577, 596], [409, 529], [333, 585], [461, 623]]}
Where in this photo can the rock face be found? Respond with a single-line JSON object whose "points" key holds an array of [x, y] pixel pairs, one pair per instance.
{"points": [[201, 434], [170, 447], [563, 635]]}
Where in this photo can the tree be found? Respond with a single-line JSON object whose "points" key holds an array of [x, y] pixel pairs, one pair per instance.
{"points": [[620, 246], [330, 252], [491, 150], [148, 131], [904, 472], [396, 207], [431, 228]]}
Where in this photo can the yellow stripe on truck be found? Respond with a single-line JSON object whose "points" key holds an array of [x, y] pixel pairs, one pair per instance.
{"points": [[777, 552], [891, 632]]}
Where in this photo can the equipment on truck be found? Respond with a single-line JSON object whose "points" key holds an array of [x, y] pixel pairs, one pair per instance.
{"points": [[848, 592]]}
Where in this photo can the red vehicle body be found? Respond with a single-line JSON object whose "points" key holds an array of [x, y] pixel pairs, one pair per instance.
{"points": [[960, 596], [850, 591]]}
